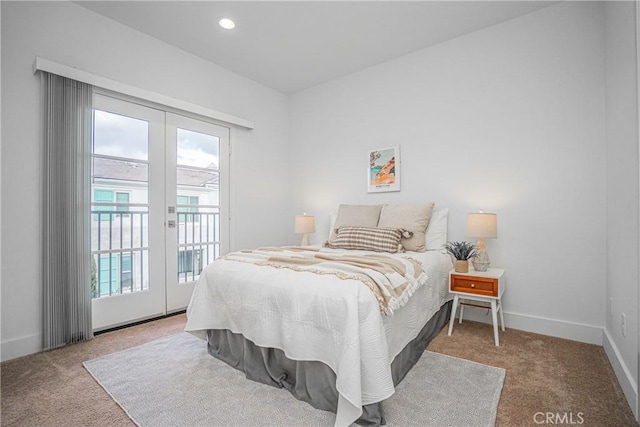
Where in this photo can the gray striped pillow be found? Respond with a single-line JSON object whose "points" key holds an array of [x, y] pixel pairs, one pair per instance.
{"points": [[378, 239]]}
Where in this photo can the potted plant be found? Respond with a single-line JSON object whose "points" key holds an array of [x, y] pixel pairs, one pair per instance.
{"points": [[462, 252]]}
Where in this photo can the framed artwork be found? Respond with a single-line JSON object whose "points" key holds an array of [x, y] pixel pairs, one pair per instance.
{"points": [[384, 170]]}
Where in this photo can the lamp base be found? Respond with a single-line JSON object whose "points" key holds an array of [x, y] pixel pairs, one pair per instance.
{"points": [[480, 266], [305, 240], [481, 262]]}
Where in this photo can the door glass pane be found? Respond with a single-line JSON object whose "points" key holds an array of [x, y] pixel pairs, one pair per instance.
{"points": [[120, 136], [198, 200], [198, 149], [120, 204]]}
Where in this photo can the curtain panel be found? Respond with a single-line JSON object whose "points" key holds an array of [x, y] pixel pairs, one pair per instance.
{"points": [[67, 124]]}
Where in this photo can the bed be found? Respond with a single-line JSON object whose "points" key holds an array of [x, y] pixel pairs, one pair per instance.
{"points": [[324, 336]]}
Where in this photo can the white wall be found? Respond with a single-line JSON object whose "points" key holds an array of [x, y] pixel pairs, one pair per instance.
{"points": [[622, 192], [509, 119], [72, 35]]}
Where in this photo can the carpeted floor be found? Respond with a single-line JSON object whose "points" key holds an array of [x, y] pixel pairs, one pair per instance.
{"points": [[173, 381], [544, 374]]}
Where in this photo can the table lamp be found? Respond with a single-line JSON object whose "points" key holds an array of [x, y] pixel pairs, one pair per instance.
{"points": [[304, 225], [482, 225]]}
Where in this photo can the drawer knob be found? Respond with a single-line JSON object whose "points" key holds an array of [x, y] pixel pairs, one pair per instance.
{"points": [[473, 285]]}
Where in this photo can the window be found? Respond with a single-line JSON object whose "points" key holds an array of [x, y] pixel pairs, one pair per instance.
{"points": [[122, 198], [101, 195], [126, 276], [189, 261], [186, 210], [113, 271]]}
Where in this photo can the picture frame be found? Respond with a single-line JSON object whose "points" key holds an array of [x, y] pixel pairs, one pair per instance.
{"points": [[383, 173]]}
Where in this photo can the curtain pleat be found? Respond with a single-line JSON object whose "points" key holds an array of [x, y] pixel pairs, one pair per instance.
{"points": [[67, 124]]}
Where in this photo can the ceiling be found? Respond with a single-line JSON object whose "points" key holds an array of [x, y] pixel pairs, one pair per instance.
{"points": [[293, 45]]}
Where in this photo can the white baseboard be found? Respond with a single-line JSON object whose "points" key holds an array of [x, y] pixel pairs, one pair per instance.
{"points": [[541, 325], [18, 347], [625, 378]]}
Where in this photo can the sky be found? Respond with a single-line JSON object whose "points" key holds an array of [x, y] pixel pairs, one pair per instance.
{"points": [[198, 149], [122, 136]]}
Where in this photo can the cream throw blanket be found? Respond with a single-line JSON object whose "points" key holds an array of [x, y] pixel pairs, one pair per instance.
{"points": [[392, 280]]}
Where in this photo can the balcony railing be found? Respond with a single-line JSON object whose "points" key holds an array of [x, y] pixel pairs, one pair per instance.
{"points": [[198, 242], [120, 251]]}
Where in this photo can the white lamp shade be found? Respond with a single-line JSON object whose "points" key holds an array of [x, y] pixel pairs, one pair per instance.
{"points": [[305, 224], [482, 225]]}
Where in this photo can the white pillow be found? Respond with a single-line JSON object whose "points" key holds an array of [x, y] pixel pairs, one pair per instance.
{"points": [[332, 223], [437, 230]]}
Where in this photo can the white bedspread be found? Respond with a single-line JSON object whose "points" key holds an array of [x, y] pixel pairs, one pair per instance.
{"points": [[319, 317]]}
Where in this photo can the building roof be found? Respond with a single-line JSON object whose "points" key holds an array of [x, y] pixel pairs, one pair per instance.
{"points": [[122, 170]]}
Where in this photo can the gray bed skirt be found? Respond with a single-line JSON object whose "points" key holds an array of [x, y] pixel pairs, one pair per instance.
{"points": [[311, 381]]}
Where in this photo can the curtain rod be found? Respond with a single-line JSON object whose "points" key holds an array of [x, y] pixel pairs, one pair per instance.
{"points": [[42, 64]]}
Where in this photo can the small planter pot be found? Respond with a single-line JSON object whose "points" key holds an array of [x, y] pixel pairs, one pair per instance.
{"points": [[462, 266]]}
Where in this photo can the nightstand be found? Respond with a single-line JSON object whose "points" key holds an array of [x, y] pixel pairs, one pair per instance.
{"points": [[485, 287]]}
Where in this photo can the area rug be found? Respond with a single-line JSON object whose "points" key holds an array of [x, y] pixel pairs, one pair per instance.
{"points": [[174, 382]]}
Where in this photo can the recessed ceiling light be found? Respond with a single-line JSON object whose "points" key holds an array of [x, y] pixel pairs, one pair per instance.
{"points": [[227, 23]]}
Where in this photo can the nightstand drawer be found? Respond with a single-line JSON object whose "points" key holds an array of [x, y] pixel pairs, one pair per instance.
{"points": [[474, 285]]}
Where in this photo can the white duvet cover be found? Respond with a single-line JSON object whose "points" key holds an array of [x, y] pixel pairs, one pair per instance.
{"points": [[319, 317]]}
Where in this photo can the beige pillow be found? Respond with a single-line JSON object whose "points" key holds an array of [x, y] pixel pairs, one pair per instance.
{"points": [[356, 215], [413, 218]]}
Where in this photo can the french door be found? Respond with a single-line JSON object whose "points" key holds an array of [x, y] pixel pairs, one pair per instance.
{"points": [[159, 208], [197, 160]]}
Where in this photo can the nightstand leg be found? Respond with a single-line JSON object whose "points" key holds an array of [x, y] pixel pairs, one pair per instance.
{"points": [[494, 316], [453, 313], [461, 312], [501, 315]]}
